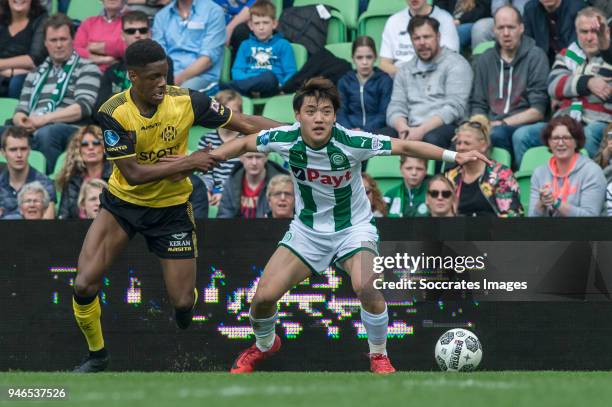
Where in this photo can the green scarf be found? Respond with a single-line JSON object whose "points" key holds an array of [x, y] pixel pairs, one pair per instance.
{"points": [[60, 87]]}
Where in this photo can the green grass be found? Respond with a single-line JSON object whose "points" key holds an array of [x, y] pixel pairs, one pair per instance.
{"points": [[488, 389]]}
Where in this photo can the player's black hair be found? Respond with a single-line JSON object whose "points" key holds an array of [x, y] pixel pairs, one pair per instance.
{"points": [[319, 88], [144, 52]]}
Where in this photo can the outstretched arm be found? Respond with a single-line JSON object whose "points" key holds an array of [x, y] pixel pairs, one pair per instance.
{"points": [[247, 124], [236, 147], [429, 151]]}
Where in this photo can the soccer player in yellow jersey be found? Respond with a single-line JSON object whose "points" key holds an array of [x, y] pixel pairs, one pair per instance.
{"points": [[141, 125]]}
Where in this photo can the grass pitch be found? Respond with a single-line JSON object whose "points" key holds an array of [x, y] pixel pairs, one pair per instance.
{"points": [[319, 389]]}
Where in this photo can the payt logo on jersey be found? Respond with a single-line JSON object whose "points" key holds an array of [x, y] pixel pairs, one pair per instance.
{"points": [[110, 137], [312, 175]]}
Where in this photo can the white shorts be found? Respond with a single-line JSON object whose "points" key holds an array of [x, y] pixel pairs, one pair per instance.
{"points": [[321, 250]]}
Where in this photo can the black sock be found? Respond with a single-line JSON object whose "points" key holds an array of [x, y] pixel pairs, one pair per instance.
{"points": [[83, 300], [183, 317], [98, 354]]}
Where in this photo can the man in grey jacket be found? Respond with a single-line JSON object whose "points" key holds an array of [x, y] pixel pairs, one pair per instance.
{"points": [[510, 80], [430, 92]]}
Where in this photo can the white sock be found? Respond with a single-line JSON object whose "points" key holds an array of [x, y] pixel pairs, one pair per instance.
{"points": [[376, 327], [264, 331]]}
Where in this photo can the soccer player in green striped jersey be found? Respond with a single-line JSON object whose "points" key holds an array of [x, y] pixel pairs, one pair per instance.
{"points": [[333, 224]]}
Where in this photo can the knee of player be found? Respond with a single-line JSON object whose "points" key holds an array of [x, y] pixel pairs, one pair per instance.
{"points": [[84, 288], [264, 300]]}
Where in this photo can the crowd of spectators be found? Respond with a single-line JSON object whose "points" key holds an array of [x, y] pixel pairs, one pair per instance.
{"points": [[541, 78]]}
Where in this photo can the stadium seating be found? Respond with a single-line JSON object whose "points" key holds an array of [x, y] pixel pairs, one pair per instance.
{"points": [[385, 170], [7, 108], [280, 108], [387, 6], [349, 9], [195, 133], [279, 7], [226, 68], [247, 105], [372, 23], [80, 10], [501, 156], [342, 50], [212, 211], [58, 165], [275, 157]]}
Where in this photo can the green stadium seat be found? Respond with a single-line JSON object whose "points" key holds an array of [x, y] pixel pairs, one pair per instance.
{"points": [[81, 9], [349, 9], [38, 161], [533, 158], [342, 50], [501, 156], [385, 170], [58, 165], [275, 157], [386, 6], [482, 47], [373, 25], [247, 105], [279, 7], [524, 181], [301, 55], [280, 108], [7, 108], [195, 134], [336, 28], [226, 68]]}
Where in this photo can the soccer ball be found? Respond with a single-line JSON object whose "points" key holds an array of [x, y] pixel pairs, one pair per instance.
{"points": [[458, 350]]}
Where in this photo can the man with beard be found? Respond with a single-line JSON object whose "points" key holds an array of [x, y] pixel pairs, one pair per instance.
{"points": [[430, 93]]}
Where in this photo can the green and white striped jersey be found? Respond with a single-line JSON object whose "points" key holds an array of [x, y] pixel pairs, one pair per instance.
{"points": [[329, 192]]}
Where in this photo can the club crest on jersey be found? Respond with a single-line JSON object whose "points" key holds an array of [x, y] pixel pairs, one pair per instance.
{"points": [[110, 137], [338, 159], [169, 133]]}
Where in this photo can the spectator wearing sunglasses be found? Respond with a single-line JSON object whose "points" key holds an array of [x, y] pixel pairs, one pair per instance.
{"points": [[441, 198], [84, 161], [135, 27], [481, 189], [99, 38], [408, 198]]}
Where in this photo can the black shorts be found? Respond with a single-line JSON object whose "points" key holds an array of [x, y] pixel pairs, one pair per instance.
{"points": [[169, 231]]}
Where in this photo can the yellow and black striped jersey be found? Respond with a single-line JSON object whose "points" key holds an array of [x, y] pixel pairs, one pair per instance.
{"points": [[127, 133]]}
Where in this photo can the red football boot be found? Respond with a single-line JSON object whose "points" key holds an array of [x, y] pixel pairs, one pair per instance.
{"points": [[250, 357], [380, 364]]}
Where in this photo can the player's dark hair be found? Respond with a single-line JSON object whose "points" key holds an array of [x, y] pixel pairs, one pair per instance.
{"points": [[320, 88], [56, 21], [419, 21], [15, 132], [143, 52], [134, 16]]}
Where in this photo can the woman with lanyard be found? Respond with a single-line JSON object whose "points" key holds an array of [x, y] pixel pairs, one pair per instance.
{"points": [[483, 190], [570, 184]]}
